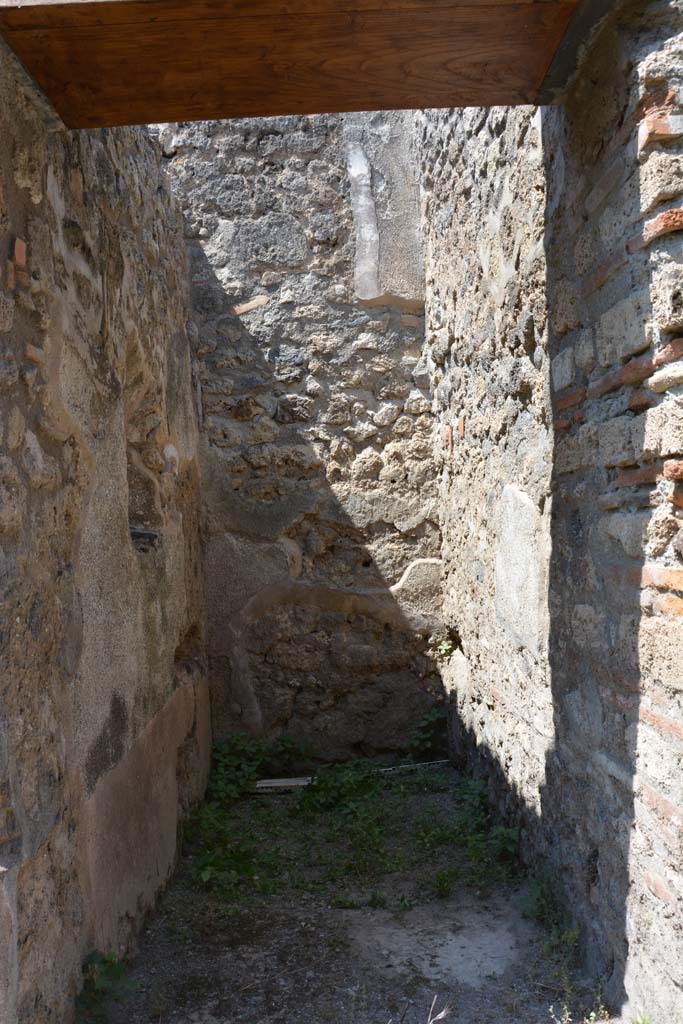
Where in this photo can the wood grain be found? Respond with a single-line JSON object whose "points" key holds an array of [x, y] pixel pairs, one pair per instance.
{"points": [[112, 62]]}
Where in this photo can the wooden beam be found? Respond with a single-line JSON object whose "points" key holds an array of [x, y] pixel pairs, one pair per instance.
{"points": [[111, 62]]}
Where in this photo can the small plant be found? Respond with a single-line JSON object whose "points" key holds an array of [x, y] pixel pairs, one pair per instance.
{"points": [[445, 648], [104, 977], [430, 835], [503, 844], [430, 738], [564, 1018], [600, 1014], [225, 862], [342, 788], [405, 902], [442, 882], [345, 903], [545, 903], [377, 901], [642, 1018], [238, 762]]}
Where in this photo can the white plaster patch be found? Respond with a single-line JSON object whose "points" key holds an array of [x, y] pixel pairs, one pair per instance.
{"points": [[517, 568]]}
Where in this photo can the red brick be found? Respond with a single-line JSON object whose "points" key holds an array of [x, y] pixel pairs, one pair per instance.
{"points": [[661, 99], [656, 127], [636, 370], [673, 469], [669, 354], [638, 477], [667, 604], [662, 578], [663, 724], [561, 425], [665, 224], [461, 427], [574, 397], [601, 274], [20, 253], [664, 808]]}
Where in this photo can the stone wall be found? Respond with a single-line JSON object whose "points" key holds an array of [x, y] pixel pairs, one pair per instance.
{"points": [[319, 507], [554, 274], [103, 706]]}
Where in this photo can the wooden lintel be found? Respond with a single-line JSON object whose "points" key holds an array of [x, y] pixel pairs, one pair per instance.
{"points": [[112, 62]]}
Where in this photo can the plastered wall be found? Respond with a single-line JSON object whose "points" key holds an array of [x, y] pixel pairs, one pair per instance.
{"points": [[103, 701]]}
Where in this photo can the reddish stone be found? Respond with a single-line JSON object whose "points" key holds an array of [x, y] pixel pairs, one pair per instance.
{"points": [[637, 370], [570, 399], [640, 400], [638, 477], [667, 604], [665, 224], [461, 427], [661, 99], [656, 127], [663, 807], [10, 278], [447, 435], [673, 469], [663, 579], [20, 253], [658, 888]]}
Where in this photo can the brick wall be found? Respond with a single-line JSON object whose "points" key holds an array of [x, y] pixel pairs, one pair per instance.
{"points": [[554, 334]]}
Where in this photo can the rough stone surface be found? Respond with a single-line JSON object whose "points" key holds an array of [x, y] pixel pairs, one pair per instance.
{"points": [[493, 448], [103, 699], [551, 298], [319, 501]]}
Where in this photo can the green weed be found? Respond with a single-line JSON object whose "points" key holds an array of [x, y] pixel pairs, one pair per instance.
{"points": [[342, 789], [226, 862], [441, 884], [104, 978], [546, 904], [430, 736], [240, 760]]}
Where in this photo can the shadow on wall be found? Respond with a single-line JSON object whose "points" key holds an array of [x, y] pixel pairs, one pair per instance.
{"points": [[306, 634], [611, 816], [612, 796]]}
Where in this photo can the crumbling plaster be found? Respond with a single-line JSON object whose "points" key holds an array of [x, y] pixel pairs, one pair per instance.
{"points": [[104, 731]]}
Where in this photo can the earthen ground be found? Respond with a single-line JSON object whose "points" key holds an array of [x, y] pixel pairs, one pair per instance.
{"points": [[329, 944]]}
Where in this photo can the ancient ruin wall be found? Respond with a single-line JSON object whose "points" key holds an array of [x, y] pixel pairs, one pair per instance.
{"points": [[319, 506], [103, 723], [554, 281]]}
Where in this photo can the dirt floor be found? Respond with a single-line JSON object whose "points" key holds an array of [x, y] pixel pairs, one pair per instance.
{"points": [[366, 899]]}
